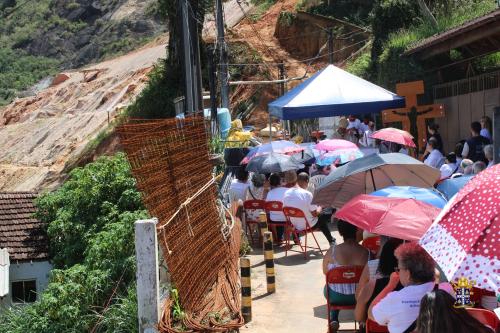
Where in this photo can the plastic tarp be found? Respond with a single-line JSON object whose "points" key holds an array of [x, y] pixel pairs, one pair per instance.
{"points": [[4, 272], [333, 92]]}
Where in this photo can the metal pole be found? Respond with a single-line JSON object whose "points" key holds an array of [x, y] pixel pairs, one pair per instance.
{"points": [[496, 135], [195, 47], [223, 76], [330, 45], [213, 90], [188, 67]]}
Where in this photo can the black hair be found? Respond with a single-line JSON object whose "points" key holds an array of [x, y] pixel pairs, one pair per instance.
{"points": [[433, 143], [438, 314], [451, 157], [346, 230], [476, 127], [274, 180], [388, 260], [242, 175], [459, 147], [434, 127]]}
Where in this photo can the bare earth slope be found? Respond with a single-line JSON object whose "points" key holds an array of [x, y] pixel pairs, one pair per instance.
{"points": [[40, 134]]}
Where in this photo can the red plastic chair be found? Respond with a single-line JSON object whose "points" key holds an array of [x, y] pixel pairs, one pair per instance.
{"points": [[274, 206], [372, 244], [373, 327], [341, 275], [487, 317], [251, 207], [291, 212]]}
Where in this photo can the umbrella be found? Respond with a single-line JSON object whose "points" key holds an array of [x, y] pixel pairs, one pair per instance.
{"points": [[464, 238], [272, 163], [335, 144], [372, 172], [306, 156], [280, 146], [402, 218], [394, 135], [428, 195], [449, 187], [341, 156]]}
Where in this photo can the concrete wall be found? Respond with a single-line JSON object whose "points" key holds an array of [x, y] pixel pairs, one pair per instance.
{"points": [[461, 110], [37, 270]]}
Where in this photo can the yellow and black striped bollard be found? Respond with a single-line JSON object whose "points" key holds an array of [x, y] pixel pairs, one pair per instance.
{"points": [[262, 224], [269, 259], [246, 290]]}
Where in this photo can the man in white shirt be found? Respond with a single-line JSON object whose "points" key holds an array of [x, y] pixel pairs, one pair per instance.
{"points": [[239, 186], [277, 193], [435, 159], [367, 140], [353, 129], [298, 197]]}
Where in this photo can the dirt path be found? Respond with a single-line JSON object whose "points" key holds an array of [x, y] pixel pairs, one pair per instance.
{"points": [[298, 306]]}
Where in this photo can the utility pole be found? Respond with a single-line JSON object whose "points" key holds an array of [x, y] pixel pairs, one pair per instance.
{"points": [[223, 73], [213, 89], [330, 45], [188, 67]]}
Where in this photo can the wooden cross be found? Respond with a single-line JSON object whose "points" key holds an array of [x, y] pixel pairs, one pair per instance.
{"points": [[413, 116]]}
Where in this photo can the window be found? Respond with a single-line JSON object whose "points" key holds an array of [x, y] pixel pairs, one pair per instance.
{"points": [[24, 291]]}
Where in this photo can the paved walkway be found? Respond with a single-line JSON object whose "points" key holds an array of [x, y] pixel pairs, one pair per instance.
{"points": [[298, 306]]}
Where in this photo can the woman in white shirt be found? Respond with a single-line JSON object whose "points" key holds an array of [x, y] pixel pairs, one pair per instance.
{"points": [[450, 166], [435, 159]]}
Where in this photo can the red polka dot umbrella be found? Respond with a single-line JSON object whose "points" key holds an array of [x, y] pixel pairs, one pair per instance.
{"points": [[464, 239]]}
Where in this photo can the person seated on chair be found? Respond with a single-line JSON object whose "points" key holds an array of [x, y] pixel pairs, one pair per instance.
{"points": [[257, 190], [398, 310], [439, 315], [276, 193], [367, 292], [237, 191], [348, 253], [434, 158], [477, 167], [449, 167], [298, 197]]}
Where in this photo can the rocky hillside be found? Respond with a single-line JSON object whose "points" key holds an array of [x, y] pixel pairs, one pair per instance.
{"points": [[42, 37]]}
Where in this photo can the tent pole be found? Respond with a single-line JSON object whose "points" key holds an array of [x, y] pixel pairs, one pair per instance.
{"points": [[373, 180], [270, 127]]}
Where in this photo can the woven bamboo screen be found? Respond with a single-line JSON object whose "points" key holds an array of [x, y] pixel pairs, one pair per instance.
{"points": [[170, 161]]}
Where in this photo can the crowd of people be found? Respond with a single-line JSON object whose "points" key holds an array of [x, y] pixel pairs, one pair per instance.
{"points": [[400, 286]]}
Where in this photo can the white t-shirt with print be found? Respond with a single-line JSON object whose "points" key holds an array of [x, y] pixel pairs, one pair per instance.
{"points": [[297, 197], [277, 194], [399, 309]]}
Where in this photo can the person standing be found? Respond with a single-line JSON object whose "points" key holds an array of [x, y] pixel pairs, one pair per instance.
{"points": [[433, 130], [366, 139], [486, 128], [474, 147]]}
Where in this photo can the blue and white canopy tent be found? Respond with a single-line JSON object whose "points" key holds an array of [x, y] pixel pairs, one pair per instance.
{"points": [[333, 92]]}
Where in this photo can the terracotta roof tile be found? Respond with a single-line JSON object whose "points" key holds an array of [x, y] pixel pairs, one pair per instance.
{"points": [[20, 232]]}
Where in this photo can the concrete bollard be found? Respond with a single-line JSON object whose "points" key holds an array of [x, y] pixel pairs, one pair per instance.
{"points": [[269, 259], [262, 224], [246, 290], [148, 291]]}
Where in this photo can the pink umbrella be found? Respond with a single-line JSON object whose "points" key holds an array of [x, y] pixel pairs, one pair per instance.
{"points": [[464, 239], [394, 135], [402, 218], [335, 144]]}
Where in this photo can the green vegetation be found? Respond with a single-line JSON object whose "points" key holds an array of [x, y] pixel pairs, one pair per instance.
{"points": [[91, 231], [261, 7], [397, 25], [39, 38]]}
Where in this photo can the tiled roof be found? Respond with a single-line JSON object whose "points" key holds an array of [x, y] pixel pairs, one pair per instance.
{"points": [[22, 234]]}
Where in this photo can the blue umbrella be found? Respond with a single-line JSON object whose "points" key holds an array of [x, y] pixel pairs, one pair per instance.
{"points": [[427, 195], [449, 187]]}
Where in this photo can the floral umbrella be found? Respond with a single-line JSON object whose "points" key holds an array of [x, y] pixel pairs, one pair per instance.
{"points": [[280, 146], [464, 237]]}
